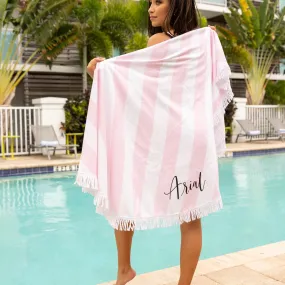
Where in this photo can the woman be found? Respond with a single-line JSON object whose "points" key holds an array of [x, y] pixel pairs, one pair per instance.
{"points": [[168, 18]]}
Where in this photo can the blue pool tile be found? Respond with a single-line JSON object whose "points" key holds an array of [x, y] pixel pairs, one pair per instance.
{"points": [[258, 152], [6, 172], [35, 170], [50, 169], [30, 171], [13, 172], [22, 170], [43, 169]]}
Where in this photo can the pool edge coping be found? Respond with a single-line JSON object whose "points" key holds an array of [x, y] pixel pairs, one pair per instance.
{"points": [[64, 165]]}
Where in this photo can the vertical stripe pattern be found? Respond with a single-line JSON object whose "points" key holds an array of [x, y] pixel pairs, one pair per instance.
{"points": [[150, 157]]}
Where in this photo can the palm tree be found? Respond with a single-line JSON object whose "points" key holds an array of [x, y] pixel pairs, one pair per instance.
{"points": [[137, 42], [139, 13], [101, 27], [43, 22], [255, 39]]}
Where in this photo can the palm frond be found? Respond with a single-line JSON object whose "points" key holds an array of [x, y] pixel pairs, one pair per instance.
{"points": [[263, 11], [118, 29], [38, 21], [47, 18], [139, 41], [99, 44], [255, 39], [255, 23], [65, 36], [139, 11], [234, 24]]}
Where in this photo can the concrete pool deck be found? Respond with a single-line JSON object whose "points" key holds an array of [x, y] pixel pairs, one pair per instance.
{"points": [[256, 266], [38, 161], [65, 160]]}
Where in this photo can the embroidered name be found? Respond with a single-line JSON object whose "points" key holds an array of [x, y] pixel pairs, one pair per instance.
{"points": [[183, 188]]}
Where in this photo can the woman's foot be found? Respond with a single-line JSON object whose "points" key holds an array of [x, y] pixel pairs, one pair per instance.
{"points": [[125, 276]]}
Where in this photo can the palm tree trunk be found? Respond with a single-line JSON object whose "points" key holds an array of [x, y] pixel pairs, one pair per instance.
{"points": [[84, 72], [5, 117], [9, 98]]}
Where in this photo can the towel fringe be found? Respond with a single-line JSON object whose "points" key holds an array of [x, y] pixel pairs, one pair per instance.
{"points": [[86, 181], [89, 185], [99, 201], [129, 224], [223, 81]]}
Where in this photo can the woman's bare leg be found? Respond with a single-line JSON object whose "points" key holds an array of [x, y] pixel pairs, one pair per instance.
{"points": [[191, 245], [124, 246]]}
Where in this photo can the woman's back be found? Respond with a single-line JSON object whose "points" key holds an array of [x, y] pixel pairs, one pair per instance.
{"points": [[159, 38]]}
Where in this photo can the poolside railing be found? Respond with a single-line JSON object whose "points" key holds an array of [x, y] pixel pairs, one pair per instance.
{"points": [[259, 115], [16, 121]]}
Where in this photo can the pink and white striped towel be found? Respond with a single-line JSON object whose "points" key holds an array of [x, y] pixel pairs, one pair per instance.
{"points": [[154, 132]]}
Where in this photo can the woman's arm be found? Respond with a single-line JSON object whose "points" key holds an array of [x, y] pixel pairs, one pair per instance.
{"points": [[153, 40]]}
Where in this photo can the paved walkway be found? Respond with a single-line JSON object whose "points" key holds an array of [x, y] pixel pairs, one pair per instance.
{"points": [[39, 160], [263, 265], [256, 145]]}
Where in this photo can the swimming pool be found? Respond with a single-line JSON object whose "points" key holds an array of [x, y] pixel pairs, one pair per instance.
{"points": [[50, 234]]}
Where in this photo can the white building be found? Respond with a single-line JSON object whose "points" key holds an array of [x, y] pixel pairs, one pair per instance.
{"points": [[65, 77], [64, 80]]}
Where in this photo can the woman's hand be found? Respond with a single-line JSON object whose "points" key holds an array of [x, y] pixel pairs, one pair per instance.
{"points": [[92, 65], [213, 28]]}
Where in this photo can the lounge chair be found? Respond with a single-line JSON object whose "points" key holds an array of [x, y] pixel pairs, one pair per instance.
{"points": [[249, 130], [45, 138], [278, 126]]}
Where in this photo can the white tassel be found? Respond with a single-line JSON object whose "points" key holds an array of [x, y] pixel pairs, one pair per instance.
{"points": [[224, 79], [127, 224], [89, 185], [86, 181]]}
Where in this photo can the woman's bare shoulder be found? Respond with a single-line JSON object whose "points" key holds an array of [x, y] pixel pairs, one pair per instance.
{"points": [[157, 38]]}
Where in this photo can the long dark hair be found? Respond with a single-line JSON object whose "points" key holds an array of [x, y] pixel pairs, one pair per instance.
{"points": [[182, 17]]}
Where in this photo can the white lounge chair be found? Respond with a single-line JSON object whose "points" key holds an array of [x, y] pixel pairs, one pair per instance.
{"points": [[278, 126], [45, 138], [249, 130]]}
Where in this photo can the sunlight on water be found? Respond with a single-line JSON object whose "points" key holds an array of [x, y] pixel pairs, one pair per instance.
{"points": [[50, 233]]}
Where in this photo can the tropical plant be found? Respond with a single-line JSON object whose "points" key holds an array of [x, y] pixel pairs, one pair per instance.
{"points": [[139, 12], [75, 114], [39, 22], [229, 117], [203, 22], [275, 93], [101, 27], [139, 41], [255, 39]]}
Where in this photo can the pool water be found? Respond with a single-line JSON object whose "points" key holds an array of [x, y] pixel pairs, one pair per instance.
{"points": [[51, 235]]}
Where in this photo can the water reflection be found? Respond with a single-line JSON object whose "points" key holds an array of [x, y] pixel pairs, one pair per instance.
{"points": [[43, 197], [49, 229]]}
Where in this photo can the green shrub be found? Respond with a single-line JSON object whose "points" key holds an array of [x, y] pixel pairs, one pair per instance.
{"points": [[76, 109], [229, 116], [275, 93], [75, 115]]}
